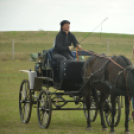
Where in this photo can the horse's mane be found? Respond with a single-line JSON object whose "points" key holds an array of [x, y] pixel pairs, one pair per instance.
{"points": [[126, 60]]}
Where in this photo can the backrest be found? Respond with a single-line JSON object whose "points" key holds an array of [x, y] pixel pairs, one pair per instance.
{"points": [[48, 58], [67, 73]]}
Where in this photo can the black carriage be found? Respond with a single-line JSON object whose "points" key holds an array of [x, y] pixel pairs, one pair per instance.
{"points": [[66, 78]]}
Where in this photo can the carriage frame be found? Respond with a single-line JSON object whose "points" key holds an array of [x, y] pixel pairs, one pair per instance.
{"points": [[61, 78]]}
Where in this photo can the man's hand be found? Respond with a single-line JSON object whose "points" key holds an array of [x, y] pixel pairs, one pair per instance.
{"points": [[71, 48]]}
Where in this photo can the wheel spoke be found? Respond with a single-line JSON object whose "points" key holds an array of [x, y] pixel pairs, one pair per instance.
{"points": [[25, 90], [41, 119], [46, 117], [44, 101], [22, 94], [28, 95], [27, 109], [23, 111], [22, 107]]}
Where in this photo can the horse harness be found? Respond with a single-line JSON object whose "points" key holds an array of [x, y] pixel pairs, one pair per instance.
{"points": [[112, 87]]}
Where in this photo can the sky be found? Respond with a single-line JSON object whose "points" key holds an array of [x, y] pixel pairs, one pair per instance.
{"points": [[84, 15]]}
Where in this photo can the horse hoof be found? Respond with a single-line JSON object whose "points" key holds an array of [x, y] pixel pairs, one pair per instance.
{"points": [[127, 133], [89, 128], [104, 129]]}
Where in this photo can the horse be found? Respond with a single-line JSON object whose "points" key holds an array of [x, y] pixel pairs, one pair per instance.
{"points": [[111, 76]]}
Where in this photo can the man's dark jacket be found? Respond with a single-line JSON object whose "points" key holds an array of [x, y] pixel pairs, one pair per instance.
{"points": [[63, 40]]}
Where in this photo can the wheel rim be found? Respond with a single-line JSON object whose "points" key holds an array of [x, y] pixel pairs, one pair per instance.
{"points": [[117, 115], [44, 109], [93, 113], [25, 102]]}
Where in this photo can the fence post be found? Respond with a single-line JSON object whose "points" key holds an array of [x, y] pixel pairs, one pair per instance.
{"points": [[107, 47], [13, 49]]}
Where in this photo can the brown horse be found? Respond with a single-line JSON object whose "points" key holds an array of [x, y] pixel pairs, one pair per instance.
{"points": [[111, 76]]}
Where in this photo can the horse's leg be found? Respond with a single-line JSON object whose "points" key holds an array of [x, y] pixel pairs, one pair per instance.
{"points": [[88, 103], [102, 102], [113, 97], [95, 95], [127, 113]]}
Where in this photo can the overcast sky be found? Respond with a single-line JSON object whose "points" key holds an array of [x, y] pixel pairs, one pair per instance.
{"points": [[84, 15]]}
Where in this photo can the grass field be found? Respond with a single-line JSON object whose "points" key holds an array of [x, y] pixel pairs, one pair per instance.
{"points": [[30, 42], [63, 122]]}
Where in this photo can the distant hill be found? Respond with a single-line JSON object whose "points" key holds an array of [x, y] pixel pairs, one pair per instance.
{"points": [[27, 42]]}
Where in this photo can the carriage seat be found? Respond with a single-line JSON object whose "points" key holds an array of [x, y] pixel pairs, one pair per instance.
{"points": [[68, 73], [51, 62], [48, 57]]}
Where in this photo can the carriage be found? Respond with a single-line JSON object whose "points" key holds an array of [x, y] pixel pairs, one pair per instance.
{"points": [[66, 78]]}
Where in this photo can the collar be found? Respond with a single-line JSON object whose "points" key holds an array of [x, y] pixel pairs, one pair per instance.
{"points": [[65, 32]]}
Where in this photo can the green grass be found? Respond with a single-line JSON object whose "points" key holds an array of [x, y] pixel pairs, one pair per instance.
{"points": [[63, 122]]}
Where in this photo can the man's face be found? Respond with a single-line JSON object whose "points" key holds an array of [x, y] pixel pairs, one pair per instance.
{"points": [[66, 27]]}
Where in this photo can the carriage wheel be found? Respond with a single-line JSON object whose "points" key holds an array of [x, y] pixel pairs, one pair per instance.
{"points": [[93, 113], [108, 112], [44, 109], [25, 101]]}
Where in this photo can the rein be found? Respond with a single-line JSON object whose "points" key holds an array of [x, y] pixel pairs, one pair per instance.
{"points": [[102, 57]]}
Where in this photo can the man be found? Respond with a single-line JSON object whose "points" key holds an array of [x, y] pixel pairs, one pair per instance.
{"points": [[62, 46]]}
